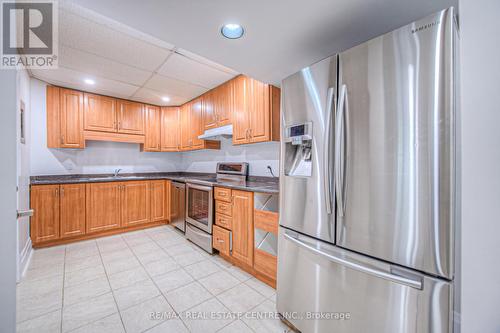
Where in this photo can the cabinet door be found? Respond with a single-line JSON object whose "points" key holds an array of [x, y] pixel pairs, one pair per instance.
{"points": [[209, 109], [152, 140], [240, 112], [53, 117], [100, 113], [45, 220], [159, 195], [103, 206], [135, 203], [131, 118], [185, 113], [72, 210], [196, 123], [242, 226], [170, 129], [224, 104], [258, 111], [71, 118]]}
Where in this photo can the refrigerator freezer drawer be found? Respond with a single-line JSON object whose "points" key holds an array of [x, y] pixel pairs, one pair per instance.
{"points": [[322, 288]]}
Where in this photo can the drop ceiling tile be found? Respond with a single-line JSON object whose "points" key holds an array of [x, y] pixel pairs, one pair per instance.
{"points": [[102, 40], [183, 68], [74, 79], [175, 87], [101, 67], [154, 97]]}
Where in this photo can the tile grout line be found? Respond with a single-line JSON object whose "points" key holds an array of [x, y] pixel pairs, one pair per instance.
{"points": [[109, 284], [154, 282], [64, 278], [213, 296]]}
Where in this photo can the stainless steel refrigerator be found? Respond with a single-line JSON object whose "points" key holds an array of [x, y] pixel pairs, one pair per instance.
{"points": [[368, 188]]}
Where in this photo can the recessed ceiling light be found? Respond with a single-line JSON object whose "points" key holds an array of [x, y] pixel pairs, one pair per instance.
{"points": [[165, 99], [232, 31], [89, 81]]}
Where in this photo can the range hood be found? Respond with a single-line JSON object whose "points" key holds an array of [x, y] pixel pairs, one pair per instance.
{"points": [[224, 131]]}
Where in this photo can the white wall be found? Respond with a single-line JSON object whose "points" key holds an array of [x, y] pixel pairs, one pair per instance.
{"points": [[23, 169], [259, 155], [8, 203], [480, 83], [97, 157]]}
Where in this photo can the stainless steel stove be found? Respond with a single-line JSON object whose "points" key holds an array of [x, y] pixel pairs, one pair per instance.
{"points": [[200, 201]]}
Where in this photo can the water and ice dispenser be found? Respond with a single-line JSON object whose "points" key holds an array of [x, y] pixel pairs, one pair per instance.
{"points": [[298, 150]]}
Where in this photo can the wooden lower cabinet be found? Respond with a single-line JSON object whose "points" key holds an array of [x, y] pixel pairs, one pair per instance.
{"points": [[103, 206], [242, 227], [134, 203], [72, 210], [160, 190], [45, 220]]}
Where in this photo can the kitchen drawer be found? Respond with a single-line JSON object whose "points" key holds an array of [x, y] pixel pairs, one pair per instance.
{"points": [[221, 240], [223, 221], [223, 208], [223, 194]]}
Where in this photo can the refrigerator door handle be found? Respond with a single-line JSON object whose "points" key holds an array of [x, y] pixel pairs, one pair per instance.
{"points": [[339, 150], [326, 158], [414, 283]]}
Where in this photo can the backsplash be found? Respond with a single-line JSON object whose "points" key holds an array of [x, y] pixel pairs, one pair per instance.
{"points": [[258, 155]]}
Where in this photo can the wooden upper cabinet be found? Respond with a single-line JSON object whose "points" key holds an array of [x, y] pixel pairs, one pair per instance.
{"points": [[131, 117], [209, 114], [72, 210], [185, 137], [45, 220], [71, 118], [170, 130], [196, 123], [217, 106], [53, 117], [100, 113], [258, 111], [135, 203], [152, 140], [255, 111], [159, 200], [102, 206], [241, 120], [242, 226], [224, 104]]}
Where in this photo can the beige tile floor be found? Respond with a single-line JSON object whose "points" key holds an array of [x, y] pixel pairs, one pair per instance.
{"points": [[145, 281]]}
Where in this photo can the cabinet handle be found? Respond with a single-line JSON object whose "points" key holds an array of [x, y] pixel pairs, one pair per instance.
{"points": [[62, 191], [220, 240], [57, 192], [62, 139], [119, 125]]}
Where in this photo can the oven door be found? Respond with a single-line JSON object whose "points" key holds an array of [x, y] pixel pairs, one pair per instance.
{"points": [[199, 206]]}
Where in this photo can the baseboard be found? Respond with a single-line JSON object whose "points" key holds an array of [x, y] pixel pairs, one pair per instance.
{"points": [[24, 259]]}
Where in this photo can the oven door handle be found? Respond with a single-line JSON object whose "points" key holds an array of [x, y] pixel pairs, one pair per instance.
{"points": [[200, 187]]}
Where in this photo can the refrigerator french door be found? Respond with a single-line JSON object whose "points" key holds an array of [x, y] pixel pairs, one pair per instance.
{"points": [[388, 264]]}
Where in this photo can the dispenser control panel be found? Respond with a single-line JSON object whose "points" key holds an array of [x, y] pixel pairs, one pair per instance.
{"points": [[296, 134], [298, 150]]}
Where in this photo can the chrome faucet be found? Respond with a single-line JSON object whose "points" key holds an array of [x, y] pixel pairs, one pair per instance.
{"points": [[116, 172]]}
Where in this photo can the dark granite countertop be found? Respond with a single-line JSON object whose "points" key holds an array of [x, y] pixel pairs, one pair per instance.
{"points": [[253, 183]]}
